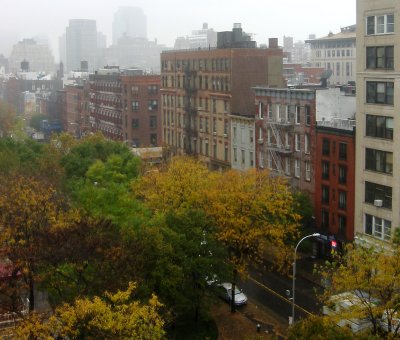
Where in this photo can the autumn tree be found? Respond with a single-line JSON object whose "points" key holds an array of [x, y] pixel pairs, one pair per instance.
{"points": [[114, 316], [254, 214], [373, 276], [7, 118], [28, 209]]}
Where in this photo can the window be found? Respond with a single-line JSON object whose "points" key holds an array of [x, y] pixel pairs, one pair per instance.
{"points": [[135, 122], [325, 194], [243, 157], [215, 150], [206, 120], [297, 168], [251, 136], [380, 57], [342, 174], [287, 165], [325, 219], [226, 127], [214, 105], [342, 200], [325, 170], [342, 224], [152, 104], [297, 142], [307, 143], [325, 147], [251, 158], [135, 89], [379, 127], [297, 115], [260, 110], [152, 89], [308, 171], [380, 161], [375, 191], [308, 114], [380, 92], [153, 139], [378, 227], [214, 125], [380, 24], [153, 122], [135, 105], [234, 134], [235, 155], [342, 151]]}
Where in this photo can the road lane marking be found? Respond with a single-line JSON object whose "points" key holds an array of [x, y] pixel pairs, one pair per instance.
{"points": [[279, 296]]}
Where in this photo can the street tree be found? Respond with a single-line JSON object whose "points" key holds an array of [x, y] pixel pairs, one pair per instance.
{"points": [[373, 275], [112, 316], [7, 119], [28, 209]]}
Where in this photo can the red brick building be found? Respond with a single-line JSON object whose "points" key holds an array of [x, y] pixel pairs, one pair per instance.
{"points": [[75, 111], [335, 181], [141, 110], [202, 88], [124, 105]]}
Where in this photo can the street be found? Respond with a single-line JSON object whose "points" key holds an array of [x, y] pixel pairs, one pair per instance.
{"points": [[268, 289]]}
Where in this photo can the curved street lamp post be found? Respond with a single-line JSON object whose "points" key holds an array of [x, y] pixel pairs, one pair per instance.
{"points": [[294, 272]]}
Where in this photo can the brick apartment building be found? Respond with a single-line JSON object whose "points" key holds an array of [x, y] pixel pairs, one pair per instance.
{"points": [[141, 110], [124, 105], [201, 89], [335, 182], [285, 134]]}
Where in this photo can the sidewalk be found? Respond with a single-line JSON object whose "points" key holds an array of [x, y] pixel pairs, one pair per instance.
{"points": [[242, 325]]}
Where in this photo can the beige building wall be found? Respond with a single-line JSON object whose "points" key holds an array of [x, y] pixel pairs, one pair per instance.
{"points": [[390, 179]]}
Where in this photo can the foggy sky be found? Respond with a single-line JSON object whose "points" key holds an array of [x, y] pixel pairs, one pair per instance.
{"points": [[168, 19]]}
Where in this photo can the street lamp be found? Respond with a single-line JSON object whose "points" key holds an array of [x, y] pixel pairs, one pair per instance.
{"points": [[294, 271]]}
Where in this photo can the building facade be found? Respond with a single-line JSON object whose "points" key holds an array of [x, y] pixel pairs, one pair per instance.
{"points": [[38, 56], [337, 54], [81, 44], [129, 22], [334, 182], [285, 134], [125, 106], [378, 103], [201, 89], [242, 142], [141, 110]]}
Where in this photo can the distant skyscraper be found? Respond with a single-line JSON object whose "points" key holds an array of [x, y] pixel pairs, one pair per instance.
{"points": [[81, 44], [101, 40], [62, 47], [130, 22], [38, 56]]}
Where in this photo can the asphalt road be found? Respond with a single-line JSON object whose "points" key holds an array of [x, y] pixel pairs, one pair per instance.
{"points": [[268, 289]]}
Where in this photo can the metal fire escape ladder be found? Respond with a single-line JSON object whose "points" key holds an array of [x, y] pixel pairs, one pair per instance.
{"points": [[190, 110]]}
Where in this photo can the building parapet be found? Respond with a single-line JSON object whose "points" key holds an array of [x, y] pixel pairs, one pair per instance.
{"points": [[338, 123]]}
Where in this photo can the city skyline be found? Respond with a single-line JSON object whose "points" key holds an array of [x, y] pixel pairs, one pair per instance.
{"points": [[168, 20]]}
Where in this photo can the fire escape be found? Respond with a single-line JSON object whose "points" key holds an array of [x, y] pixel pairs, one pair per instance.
{"points": [[189, 84], [278, 146]]}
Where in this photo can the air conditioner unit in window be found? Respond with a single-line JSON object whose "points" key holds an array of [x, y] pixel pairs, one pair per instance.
{"points": [[378, 203]]}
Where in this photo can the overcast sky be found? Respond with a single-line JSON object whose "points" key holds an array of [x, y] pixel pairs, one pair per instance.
{"points": [[167, 19]]}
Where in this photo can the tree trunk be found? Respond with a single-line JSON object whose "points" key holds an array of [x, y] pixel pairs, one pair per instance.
{"points": [[233, 306], [31, 292]]}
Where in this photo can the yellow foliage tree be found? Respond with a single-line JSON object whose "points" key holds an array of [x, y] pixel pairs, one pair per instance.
{"points": [[254, 215], [114, 317], [252, 211], [28, 208], [7, 118]]}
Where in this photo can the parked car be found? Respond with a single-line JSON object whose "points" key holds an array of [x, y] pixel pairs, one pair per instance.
{"points": [[226, 293]]}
